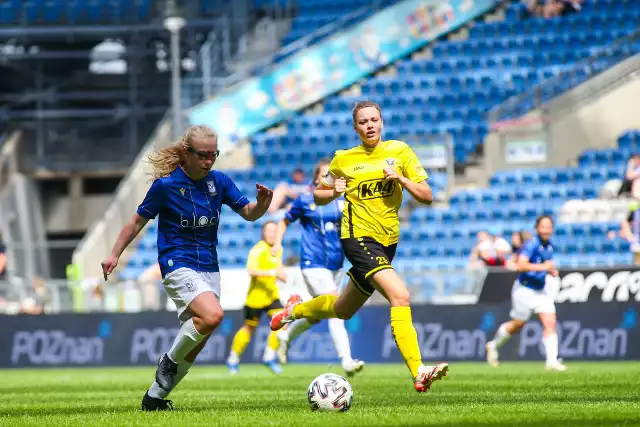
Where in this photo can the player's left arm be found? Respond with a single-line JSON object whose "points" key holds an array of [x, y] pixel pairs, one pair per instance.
{"points": [[255, 210], [413, 177], [250, 211]]}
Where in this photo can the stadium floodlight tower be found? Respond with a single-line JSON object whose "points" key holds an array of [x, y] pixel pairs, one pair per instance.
{"points": [[174, 22]]}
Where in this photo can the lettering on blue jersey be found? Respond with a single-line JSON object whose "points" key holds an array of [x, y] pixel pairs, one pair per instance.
{"points": [[376, 188], [199, 222]]}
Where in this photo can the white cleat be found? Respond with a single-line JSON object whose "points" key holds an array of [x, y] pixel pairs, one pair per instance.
{"points": [[555, 366], [492, 354], [428, 374], [352, 366]]}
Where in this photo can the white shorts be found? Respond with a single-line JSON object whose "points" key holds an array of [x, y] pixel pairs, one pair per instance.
{"points": [[525, 301], [322, 281], [184, 285]]}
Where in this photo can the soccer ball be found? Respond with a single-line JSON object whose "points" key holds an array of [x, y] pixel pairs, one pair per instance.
{"points": [[330, 392]]}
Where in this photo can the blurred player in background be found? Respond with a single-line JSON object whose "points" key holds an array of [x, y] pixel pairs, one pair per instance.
{"points": [[529, 296], [187, 196], [264, 267], [372, 177], [321, 263]]}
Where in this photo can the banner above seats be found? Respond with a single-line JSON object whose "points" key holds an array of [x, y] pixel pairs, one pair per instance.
{"points": [[332, 65]]}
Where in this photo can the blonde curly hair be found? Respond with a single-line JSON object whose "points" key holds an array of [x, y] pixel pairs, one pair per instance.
{"points": [[166, 160]]}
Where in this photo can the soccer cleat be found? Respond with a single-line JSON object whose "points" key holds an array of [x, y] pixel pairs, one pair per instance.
{"points": [[234, 368], [492, 354], [166, 372], [152, 404], [285, 316], [283, 348], [352, 366], [556, 366], [273, 366], [428, 374]]}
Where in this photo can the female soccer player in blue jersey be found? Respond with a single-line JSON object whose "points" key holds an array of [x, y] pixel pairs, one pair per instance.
{"points": [[529, 296], [321, 262], [187, 196]]}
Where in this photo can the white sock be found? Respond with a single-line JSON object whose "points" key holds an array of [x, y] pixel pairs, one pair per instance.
{"points": [[501, 337], [551, 347], [158, 392], [233, 359], [295, 328], [188, 338], [269, 354], [340, 339]]}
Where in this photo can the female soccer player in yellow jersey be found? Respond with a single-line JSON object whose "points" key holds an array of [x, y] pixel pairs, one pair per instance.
{"points": [[264, 267], [371, 176]]}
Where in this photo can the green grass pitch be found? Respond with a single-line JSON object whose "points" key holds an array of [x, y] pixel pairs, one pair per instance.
{"points": [[522, 394]]}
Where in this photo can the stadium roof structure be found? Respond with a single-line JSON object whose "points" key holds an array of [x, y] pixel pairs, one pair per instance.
{"points": [[85, 80]]}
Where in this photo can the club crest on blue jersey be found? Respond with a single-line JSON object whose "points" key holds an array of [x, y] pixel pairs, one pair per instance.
{"points": [[212, 188]]}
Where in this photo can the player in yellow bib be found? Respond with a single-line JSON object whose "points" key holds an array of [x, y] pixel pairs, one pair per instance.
{"points": [[264, 268], [372, 177]]}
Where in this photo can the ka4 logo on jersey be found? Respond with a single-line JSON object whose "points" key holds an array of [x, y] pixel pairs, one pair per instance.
{"points": [[376, 188]]}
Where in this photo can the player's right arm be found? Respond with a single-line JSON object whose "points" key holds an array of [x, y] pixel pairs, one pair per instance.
{"points": [[525, 265], [332, 186], [148, 209]]}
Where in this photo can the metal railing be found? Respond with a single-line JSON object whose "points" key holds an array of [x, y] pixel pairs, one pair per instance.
{"points": [[94, 295], [576, 74]]}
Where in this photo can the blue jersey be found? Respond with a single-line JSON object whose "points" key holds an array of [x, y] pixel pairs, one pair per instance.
{"points": [[188, 216], [320, 246], [538, 253]]}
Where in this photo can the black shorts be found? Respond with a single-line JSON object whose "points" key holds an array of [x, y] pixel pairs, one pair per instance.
{"points": [[367, 257], [252, 315]]}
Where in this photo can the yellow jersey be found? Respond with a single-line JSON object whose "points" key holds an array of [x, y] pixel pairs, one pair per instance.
{"points": [[372, 202], [262, 289]]}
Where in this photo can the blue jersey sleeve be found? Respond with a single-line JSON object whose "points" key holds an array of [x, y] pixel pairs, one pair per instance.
{"points": [[529, 248], [295, 212], [153, 201], [232, 196]]}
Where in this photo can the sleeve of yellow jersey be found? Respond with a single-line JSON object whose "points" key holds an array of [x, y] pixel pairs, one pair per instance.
{"points": [[412, 167], [334, 172], [255, 255]]}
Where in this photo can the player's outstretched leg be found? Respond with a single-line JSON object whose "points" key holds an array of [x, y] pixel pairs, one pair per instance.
{"points": [[340, 339], [154, 398], [269, 357], [241, 340], [206, 316], [550, 341], [286, 336], [394, 290], [502, 335], [318, 308]]}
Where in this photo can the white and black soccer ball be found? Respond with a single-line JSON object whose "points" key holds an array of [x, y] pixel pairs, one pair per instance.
{"points": [[330, 392]]}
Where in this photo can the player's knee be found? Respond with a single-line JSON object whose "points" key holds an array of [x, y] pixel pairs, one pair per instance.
{"points": [[343, 312], [400, 298], [211, 319]]}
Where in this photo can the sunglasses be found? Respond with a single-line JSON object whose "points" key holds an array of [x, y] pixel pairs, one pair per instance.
{"points": [[204, 155]]}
